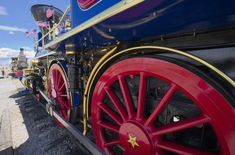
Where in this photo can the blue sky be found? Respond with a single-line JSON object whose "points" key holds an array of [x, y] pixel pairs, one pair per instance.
{"points": [[15, 20]]}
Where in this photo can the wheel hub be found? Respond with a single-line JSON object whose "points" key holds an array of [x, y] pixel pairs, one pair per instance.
{"points": [[53, 93], [135, 139]]}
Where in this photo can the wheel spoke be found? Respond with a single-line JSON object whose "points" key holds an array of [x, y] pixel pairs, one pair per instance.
{"points": [[179, 149], [56, 74], [61, 86], [108, 126], [58, 81], [111, 143], [116, 103], [61, 112], [126, 96], [63, 104], [52, 80], [141, 97], [110, 113], [63, 95], [184, 124], [55, 78], [64, 114], [161, 104]]}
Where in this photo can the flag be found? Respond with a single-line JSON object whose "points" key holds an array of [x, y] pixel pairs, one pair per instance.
{"points": [[49, 12], [34, 31], [27, 34], [42, 23]]}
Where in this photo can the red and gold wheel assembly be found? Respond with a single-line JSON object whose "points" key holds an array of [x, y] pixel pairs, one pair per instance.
{"points": [[58, 90], [151, 106]]}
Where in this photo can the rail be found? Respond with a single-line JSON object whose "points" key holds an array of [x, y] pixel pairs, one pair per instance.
{"points": [[72, 129]]}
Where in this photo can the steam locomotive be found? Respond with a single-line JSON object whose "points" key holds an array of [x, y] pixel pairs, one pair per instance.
{"points": [[18, 64], [141, 76]]}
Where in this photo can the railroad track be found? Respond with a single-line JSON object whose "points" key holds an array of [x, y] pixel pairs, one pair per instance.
{"points": [[45, 136]]}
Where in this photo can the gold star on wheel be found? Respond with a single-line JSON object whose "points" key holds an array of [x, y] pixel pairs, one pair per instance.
{"points": [[132, 141]]}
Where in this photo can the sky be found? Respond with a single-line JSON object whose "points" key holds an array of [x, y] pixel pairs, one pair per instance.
{"points": [[15, 20]]}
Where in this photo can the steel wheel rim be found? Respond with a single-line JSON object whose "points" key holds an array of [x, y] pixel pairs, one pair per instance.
{"points": [[58, 90], [199, 90]]}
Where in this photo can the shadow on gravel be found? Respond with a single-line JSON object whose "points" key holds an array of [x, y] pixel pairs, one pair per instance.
{"points": [[7, 151], [15, 95], [45, 137]]}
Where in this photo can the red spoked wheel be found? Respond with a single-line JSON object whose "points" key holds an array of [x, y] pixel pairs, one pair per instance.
{"points": [[151, 106], [58, 90]]}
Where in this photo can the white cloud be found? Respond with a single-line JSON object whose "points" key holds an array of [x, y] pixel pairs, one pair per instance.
{"points": [[11, 32], [8, 52], [13, 29], [27, 48], [3, 11], [29, 52]]}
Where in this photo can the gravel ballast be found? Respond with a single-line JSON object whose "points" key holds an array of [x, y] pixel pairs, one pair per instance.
{"points": [[32, 130]]}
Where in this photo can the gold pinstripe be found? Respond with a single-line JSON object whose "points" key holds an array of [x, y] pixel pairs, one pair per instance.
{"points": [[99, 66], [119, 7]]}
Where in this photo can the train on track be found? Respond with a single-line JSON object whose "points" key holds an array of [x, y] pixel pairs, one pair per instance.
{"points": [[18, 64], [141, 76]]}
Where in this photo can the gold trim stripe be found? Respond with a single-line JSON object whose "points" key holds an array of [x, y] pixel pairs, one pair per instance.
{"points": [[119, 7], [101, 64], [88, 86], [71, 45], [70, 52]]}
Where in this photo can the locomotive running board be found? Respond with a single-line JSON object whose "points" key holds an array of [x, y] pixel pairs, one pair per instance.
{"points": [[75, 132]]}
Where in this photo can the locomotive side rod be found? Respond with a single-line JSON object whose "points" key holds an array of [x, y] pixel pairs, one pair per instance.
{"points": [[74, 131]]}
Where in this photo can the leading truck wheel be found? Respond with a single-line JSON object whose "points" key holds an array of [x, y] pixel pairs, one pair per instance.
{"points": [[151, 106], [58, 90]]}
